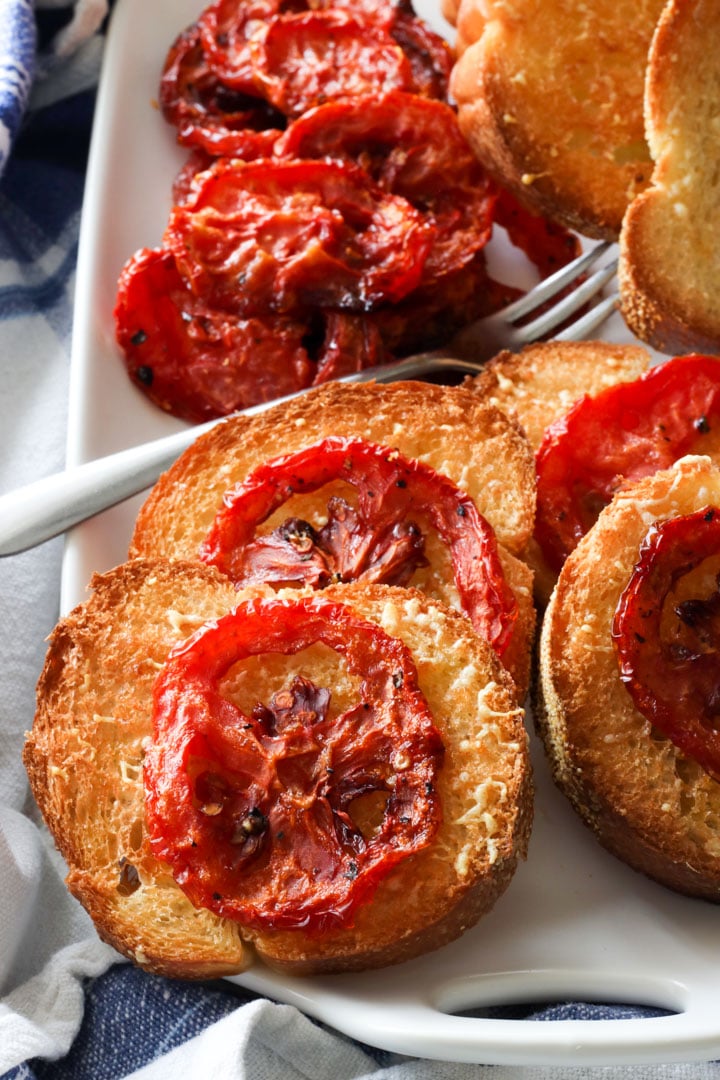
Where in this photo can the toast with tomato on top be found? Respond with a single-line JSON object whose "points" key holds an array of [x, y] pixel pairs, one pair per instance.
{"points": [[668, 271], [408, 484], [628, 692], [612, 435], [330, 781]]}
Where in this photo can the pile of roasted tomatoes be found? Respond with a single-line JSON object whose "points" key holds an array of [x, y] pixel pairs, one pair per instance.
{"points": [[330, 216]]}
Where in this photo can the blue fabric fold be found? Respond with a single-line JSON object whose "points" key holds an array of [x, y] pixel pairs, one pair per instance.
{"points": [[18, 43]]}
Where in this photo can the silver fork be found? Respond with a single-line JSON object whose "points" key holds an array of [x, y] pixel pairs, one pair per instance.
{"points": [[48, 507]]}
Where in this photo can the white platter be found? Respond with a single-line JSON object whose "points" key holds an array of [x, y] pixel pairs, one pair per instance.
{"points": [[575, 924]]}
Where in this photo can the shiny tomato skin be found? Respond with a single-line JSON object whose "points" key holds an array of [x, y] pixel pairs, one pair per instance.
{"points": [[622, 434], [209, 115], [197, 363], [318, 56], [291, 235], [228, 30], [413, 147], [391, 490], [253, 812], [671, 668], [429, 55]]}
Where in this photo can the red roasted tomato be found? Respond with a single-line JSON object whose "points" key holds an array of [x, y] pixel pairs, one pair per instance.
{"points": [[234, 36], [288, 235], [410, 146], [254, 811], [628, 431], [198, 363], [378, 541], [208, 114], [320, 56], [668, 645]]}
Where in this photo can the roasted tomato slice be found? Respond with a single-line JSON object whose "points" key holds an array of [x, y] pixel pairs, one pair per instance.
{"points": [[628, 431], [228, 31], [197, 363], [377, 541], [410, 146], [667, 634], [320, 56], [254, 811], [288, 235], [207, 113]]}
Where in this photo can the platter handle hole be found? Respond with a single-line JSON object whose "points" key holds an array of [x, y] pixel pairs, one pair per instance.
{"points": [[566, 1010], [562, 995]]}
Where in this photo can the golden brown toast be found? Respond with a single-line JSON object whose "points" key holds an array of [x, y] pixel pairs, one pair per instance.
{"points": [[647, 802], [550, 98], [449, 428], [669, 272], [93, 729], [540, 384]]}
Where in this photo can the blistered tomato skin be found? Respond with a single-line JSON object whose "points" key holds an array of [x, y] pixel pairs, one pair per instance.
{"points": [[379, 541], [624, 433], [291, 235], [669, 649], [255, 812], [209, 115], [196, 362], [412, 147]]}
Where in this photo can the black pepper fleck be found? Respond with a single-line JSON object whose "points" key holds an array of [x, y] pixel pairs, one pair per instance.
{"points": [[145, 375]]}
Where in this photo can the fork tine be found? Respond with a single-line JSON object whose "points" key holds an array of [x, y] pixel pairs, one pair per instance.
{"points": [[552, 285], [584, 327], [561, 311]]}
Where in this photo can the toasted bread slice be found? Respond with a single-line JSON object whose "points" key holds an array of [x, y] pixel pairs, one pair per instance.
{"points": [[84, 758], [669, 272], [550, 98], [449, 428], [540, 384], [648, 803]]}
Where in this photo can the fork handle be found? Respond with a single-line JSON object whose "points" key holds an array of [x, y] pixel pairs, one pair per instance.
{"points": [[35, 513]]}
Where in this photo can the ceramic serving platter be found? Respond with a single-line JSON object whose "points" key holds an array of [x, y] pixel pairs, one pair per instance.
{"points": [[575, 924]]}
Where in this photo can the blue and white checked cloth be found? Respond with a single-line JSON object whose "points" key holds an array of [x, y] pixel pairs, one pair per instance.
{"points": [[17, 68], [68, 1009]]}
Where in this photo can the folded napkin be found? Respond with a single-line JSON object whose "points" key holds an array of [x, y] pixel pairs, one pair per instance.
{"points": [[69, 1008]]}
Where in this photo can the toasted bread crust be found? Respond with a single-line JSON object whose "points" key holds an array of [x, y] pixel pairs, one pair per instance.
{"points": [[647, 803], [450, 428], [668, 272], [550, 99], [84, 760]]}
